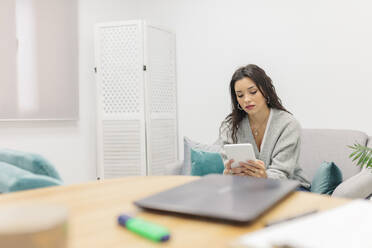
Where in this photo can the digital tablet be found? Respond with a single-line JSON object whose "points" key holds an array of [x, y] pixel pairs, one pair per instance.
{"points": [[240, 153]]}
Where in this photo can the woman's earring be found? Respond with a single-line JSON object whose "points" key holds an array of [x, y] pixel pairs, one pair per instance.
{"points": [[240, 108], [268, 100]]}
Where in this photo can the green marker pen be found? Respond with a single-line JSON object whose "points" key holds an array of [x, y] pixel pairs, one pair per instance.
{"points": [[144, 228]]}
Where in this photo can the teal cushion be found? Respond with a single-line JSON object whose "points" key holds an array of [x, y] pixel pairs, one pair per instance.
{"points": [[30, 162], [13, 179], [203, 163], [326, 179]]}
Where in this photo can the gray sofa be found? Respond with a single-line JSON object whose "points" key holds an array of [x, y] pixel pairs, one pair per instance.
{"points": [[320, 145]]}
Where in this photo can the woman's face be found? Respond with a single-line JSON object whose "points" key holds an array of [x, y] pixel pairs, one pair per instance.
{"points": [[249, 96]]}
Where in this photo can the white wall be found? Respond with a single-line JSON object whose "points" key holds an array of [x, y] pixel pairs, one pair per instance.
{"points": [[318, 54], [70, 146]]}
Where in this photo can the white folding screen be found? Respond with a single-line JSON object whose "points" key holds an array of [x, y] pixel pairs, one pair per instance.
{"points": [[161, 99], [136, 95], [120, 94]]}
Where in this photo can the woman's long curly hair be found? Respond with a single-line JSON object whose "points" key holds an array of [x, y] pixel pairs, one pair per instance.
{"points": [[265, 86]]}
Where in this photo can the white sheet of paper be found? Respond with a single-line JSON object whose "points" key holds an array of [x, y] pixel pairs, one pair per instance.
{"points": [[346, 226]]}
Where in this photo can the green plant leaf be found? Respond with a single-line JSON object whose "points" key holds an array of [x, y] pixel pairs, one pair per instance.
{"points": [[369, 164], [364, 154], [367, 157], [360, 153], [351, 155]]}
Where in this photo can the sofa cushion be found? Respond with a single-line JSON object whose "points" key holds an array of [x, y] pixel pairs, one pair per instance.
{"points": [[13, 178], [204, 163], [318, 145], [327, 177], [358, 186], [174, 169], [30, 162], [187, 145]]}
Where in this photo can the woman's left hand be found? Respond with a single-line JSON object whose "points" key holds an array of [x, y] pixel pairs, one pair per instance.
{"points": [[254, 168]]}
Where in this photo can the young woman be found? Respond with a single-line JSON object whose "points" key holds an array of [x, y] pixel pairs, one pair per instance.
{"points": [[258, 117]]}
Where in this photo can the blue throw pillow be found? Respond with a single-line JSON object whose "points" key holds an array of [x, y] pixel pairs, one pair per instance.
{"points": [[30, 162], [189, 144], [203, 163], [326, 179], [13, 178]]}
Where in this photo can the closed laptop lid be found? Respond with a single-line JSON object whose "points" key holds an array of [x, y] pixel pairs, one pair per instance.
{"points": [[232, 198]]}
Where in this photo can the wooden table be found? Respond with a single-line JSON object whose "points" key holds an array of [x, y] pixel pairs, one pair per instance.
{"points": [[94, 207]]}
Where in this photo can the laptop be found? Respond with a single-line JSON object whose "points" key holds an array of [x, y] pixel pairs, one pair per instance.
{"points": [[221, 197]]}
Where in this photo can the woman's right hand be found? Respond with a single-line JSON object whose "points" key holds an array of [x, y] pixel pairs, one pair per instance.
{"points": [[232, 171], [227, 170]]}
